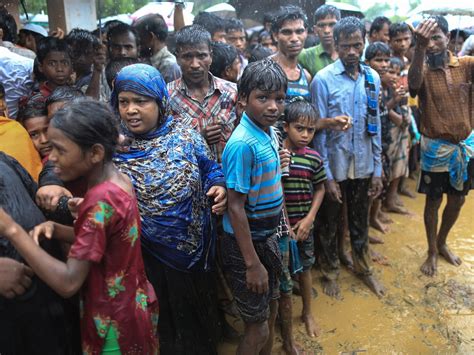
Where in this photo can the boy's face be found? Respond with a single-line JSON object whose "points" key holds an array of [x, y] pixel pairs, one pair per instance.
{"points": [[400, 43], [237, 39], [57, 68], [380, 63], [37, 128], [392, 76], [264, 108], [195, 62], [219, 36], [82, 59], [291, 38], [382, 35], [300, 133], [324, 28]]}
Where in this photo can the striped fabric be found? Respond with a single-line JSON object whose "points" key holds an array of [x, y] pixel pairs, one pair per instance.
{"points": [[298, 88], [251, 166], [306, 171]]}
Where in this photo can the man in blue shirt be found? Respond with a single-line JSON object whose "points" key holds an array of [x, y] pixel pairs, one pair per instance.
{"points": [[352, 158]]}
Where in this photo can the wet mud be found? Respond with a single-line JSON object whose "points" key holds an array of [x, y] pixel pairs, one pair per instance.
{"points": [[419, 315]]}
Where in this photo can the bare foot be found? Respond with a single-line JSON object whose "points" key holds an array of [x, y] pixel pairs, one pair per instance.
{"points": [[378, 258], [384, 218], [451, 258], [377, 224], [331, 288], [375, 240], [292, 348], [374, 285], [406, 192], [430, 266], [346, 260], [394, 208], [312, 328]]}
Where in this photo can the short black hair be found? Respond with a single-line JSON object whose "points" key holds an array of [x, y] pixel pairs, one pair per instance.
{"points": [[268, 17], [378, 23], [120, 29], [398, 27], [298, 108], [64, 94], [81, 38], [115, 65], [8, 25], [288, 13], [88, 122], [211, 22], [234, 24], [50, 44], [326, 11], [265, 75], [223, 55], [442, 23], [192, 36], [375, 49], [33, 108], [259, 52], [154, 23], [458, 32], [395, 61], [347, 26]]}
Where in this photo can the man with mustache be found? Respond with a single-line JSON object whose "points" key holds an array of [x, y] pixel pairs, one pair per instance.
{"points": [[352, 158], [444, 87]]}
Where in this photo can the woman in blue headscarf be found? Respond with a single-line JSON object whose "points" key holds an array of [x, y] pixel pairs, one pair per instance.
{"points": [[176, 182]]}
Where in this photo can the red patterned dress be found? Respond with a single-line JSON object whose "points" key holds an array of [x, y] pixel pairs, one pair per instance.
{"points": [[116, 292]]}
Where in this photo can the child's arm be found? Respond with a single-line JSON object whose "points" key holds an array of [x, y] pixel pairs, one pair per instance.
{"points": [[64, 278], [303, 227], [256, 274], [395, 117], [53, 230]]}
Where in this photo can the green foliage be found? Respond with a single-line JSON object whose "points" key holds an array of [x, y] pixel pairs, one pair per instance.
{"points": [[35, 6], [378, 9]]}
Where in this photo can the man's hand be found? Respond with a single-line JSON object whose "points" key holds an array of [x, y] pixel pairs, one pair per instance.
{"points": [[100, 57], [376, 187], [15, 278], [424, 31], [212, 134], [333, 190], [47, 197], [340, 123], [257, 278], [303, 228], [219, 194]]}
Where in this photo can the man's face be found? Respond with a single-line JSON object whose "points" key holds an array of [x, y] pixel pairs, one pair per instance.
{"points": [[400, 43], [350, 48], [237, 39], [438, 43], [57, 68], [146, 42], [291, 38], [123, 46], [324, 28], [382, 35], [195, 62]]}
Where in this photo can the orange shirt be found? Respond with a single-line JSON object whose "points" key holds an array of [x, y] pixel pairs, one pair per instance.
{"points": [[15, 142]]}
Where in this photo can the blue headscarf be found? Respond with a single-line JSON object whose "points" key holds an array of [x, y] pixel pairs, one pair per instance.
{"points": [[142, 79]]}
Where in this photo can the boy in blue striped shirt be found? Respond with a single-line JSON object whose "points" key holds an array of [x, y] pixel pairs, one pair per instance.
{"points": [[251, 164]]}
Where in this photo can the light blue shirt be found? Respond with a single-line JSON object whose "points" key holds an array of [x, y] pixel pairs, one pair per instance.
{"points": [[334, 93], [16, 77]]}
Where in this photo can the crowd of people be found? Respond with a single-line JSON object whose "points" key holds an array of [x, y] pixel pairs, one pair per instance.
{"points": [[148, 193]]}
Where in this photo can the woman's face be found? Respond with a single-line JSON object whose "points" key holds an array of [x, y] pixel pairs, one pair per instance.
{"points": [[139, 113]]}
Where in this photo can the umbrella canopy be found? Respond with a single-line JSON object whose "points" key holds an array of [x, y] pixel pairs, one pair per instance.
{"points": [[347, 9], [443, 7], [165, 9], [223, 10]]}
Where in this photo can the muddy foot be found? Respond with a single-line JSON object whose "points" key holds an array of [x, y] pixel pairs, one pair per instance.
{"points": [[406, 192], [346, 260], [451, 258], [384, 218], [377, 224], [378, 258], [292, 348], [396, 209], [375, 240], [331, 288], [312, 328], [430, 266], [374, 285]]}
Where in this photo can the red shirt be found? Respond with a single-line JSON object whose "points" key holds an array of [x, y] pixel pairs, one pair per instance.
{"points": [[116, 292]]}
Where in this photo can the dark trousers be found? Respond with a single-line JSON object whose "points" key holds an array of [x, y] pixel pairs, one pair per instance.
{"points": [[355, 193]]}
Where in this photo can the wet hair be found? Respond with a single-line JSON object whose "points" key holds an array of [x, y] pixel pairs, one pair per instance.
{"points": [[378, 23], [264, 34], [39, 76], [396, 62], [442, 23], [193, 35], [121, 29], [259, 52], [155, 24], [8, 25], [115, 65], [462, 34], [268, 17], [211, 22], [234, 24], [64, 94], [264, 75], [347, 26], [88, 122], [50, 44], [33, 108], [81, 38], [223, 55], [326, 11], [288, 13], [298, 108], [377, 48], [398, 27]]}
